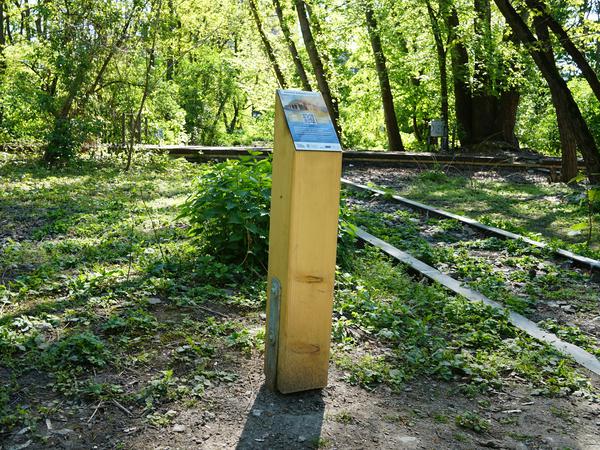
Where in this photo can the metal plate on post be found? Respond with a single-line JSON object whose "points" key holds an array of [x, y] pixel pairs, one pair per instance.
{"points": [[273, 337], [309, 121]]}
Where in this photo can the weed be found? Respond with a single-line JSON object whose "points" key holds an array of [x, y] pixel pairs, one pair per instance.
{"points": [[572, 334], [440, 418], [344, 417], [472, 421], [81, 350]]}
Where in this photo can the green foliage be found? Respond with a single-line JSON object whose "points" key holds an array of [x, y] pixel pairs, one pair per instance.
{"points": [[429, 332], [84, 350], [472, 421], [573, 335], [130, 322], [229, 210]]}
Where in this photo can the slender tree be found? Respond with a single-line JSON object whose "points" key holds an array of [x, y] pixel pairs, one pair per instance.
{"points": [[543, 15], [442, 51], [317, 65], [2, 33], [156, 7], [267, 45], [387, 98], [568, 143], [300, 70], [57, 148]]}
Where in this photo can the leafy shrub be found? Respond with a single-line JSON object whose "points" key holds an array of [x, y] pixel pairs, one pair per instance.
{"points": [[229, 210], [80, 350]]}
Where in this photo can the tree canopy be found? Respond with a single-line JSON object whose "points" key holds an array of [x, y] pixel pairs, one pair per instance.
{"points": [[500, 75]]}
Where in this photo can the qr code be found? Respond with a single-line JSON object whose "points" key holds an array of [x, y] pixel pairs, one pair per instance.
{"points": [[309, 118]]}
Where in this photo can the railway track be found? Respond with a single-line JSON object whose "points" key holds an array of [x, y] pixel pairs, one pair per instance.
{"points": [[407, 159], [202, 153], [580, 355], [583, 261], [542, 296]]}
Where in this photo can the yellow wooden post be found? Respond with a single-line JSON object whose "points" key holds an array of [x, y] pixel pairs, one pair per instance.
{"points": [[302, 252]]}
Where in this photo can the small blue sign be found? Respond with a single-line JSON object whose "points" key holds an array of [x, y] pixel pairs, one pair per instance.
{"points": [[309, 121]]}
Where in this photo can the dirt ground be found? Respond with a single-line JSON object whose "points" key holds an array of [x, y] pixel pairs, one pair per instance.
{"points": [[240, 413], [245, 415]]}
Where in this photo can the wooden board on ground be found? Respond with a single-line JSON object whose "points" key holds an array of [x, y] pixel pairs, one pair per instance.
{"points": [[583, 357]]}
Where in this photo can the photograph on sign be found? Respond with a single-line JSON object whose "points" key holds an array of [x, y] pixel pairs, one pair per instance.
{"points": [[309, 121]]}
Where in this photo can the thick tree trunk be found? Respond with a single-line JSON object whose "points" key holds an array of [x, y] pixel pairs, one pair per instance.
{"points": [[561, 94], [486, 114], [576, 55], [267, 45], [387, 98], [463, 102], [568, 144], [317, 64], [485, 99], [506, 117], [441, 56], [300, 70]]}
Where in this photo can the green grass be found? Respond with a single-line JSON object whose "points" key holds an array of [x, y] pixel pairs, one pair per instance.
{"points": [[542, 211], [426, 331], [104, 295], [99, 277]]}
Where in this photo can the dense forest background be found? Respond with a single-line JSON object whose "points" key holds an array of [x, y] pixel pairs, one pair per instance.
{"points": [[76, 72]]}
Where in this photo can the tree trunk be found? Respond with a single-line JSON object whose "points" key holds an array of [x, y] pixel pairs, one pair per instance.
{"points": [[576, 55], [267, 45], [137, 122], [568, 144], [485, 101], [561, 95], [39, 30], [2, 33], [170, 58], [506, 117], [387, 99], [463, 102], [317, 64], [441, 56], [300, 70], [231, 125], [2, 43], [9, 36]]}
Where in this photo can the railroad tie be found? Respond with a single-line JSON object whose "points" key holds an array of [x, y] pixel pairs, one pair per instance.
{"points": [[581, 356]]}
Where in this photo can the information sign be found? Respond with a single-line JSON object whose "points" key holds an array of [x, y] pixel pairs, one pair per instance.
{"points": [[437, 128], [309, 121]]}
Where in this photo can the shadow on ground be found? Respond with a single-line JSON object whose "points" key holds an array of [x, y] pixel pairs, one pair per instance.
{"points": [[283, 421]]}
